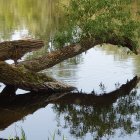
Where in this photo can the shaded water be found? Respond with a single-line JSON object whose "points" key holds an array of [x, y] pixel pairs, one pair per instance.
{"points": [[117, 118]]}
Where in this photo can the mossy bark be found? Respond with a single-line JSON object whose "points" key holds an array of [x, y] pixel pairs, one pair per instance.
{"points": [[55, 57], [25, 75], [27, 80], [16, 49]]}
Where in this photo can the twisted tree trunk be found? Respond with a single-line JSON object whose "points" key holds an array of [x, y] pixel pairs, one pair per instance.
{"points": [[27, 80], [55, 57], [16, 49], [25, 75], [19, 77]]}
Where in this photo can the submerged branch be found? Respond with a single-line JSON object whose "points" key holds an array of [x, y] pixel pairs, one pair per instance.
{"points": [[16, 107], [99, 100]]}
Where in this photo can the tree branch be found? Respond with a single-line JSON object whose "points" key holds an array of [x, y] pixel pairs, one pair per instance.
{"points": [[17, 48], [55, 57]]}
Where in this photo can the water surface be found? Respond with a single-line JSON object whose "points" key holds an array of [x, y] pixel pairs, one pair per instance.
{"points": [[105, 65]]}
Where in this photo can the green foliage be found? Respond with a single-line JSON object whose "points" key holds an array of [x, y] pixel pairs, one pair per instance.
{"points": [[102, 19], [93, 18], [53, 137], [23, 136]]}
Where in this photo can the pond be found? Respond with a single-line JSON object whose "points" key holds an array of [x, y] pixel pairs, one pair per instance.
{"points": [[101, 69]]}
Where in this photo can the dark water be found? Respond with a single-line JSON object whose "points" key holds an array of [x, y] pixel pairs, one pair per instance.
{"points": [[116, 116]]}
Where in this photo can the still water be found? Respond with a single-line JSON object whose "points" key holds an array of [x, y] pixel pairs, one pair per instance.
{"points": [[118, 118], [95, 66]]}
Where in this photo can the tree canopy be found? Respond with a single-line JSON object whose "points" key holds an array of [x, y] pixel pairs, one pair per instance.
{"points": [[104, 20]]}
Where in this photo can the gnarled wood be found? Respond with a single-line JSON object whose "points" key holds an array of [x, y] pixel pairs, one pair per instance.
{"points": [[17, 48], [24, 76], [27, 80]]}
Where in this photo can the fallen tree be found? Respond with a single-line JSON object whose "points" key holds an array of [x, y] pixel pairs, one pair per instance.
{"points": [[19, 77], [27, 80], [25, 75], [85, 27]]}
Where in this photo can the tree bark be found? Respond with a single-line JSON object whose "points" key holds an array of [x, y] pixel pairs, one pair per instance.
{"points": [[27, 80], [55, 57], [16, 49], [25, 75]]}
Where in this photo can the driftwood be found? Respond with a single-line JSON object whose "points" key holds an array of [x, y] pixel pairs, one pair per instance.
{"points": [[14, 108]]}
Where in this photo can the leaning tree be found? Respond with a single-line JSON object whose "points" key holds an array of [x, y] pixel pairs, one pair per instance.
{"points": [[86, 23]]}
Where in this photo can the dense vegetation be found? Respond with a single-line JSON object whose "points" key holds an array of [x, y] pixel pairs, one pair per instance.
{"points": [[99, 19], [103, 20]]}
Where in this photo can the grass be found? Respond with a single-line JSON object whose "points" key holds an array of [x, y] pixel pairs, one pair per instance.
{"points": [[23, 137]]}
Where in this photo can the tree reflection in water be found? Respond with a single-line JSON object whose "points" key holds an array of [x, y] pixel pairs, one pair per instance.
{"points": [[102, 120], [100, 115]]}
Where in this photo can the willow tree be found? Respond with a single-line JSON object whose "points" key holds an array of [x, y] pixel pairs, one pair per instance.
{"points": [[87, 23]]}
